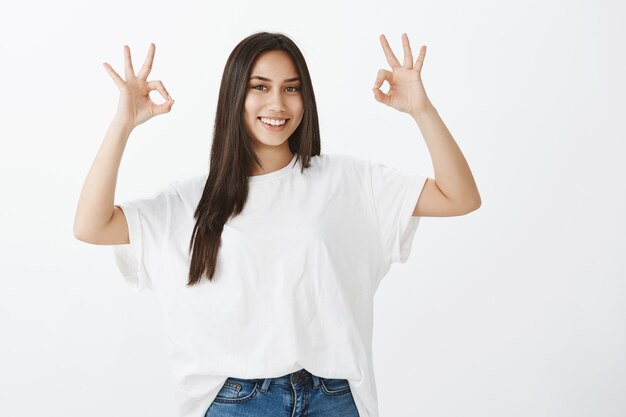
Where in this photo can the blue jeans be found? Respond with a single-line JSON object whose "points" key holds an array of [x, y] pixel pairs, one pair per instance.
{"points": [[298, 394]]}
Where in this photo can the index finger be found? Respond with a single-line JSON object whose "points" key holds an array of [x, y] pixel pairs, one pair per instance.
{"points": [[147, 65], [391, 58]]}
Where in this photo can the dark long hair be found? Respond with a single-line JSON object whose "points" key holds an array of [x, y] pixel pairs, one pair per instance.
{"points": [[232, 155]]}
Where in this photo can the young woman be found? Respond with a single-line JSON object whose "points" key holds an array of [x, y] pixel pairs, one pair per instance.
{"points": [[266, 267]]}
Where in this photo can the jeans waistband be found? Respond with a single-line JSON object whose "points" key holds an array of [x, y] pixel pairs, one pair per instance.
{"points": [[294, 379]]}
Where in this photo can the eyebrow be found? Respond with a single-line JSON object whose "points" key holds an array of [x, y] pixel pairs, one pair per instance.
{"points": [[267, 79]]}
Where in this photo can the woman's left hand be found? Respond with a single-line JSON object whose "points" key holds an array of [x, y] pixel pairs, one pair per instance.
{"points": [[406, 91]]}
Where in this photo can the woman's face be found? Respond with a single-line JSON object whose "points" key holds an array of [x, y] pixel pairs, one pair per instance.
{"points": [[273, 92]]}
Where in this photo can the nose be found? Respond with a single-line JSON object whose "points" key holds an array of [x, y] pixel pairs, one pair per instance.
{"points": [[275, 101]]}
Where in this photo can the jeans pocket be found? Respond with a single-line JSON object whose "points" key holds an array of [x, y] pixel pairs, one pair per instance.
{"points": [[333, 386], [236, 390]]}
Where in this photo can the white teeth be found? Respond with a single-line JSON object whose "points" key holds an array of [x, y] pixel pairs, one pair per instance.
{"points": [[273, 122]]}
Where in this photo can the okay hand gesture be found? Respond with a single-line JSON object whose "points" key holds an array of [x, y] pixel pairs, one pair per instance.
{"points": [[406, 91], [135, 105]]}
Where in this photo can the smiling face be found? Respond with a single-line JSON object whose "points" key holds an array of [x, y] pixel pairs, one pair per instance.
{"points": [[273, 92]]}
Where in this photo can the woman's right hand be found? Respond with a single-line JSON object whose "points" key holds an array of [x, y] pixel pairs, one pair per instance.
{"points": [[135, 105]]}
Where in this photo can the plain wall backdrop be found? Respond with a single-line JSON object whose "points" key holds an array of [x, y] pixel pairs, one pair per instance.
{"points": [[517, 309]]}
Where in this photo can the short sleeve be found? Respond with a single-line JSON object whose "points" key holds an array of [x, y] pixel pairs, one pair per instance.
{"points": [[395, 194], [147, 220]]}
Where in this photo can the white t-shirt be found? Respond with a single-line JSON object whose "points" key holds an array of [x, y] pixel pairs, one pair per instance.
{"points": [[295, 278]]}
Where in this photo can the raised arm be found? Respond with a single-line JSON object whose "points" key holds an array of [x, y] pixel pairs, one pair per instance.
{"points": [[97, 220], [453, 191]]}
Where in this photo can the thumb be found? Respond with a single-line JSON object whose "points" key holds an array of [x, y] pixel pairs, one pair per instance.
{"points": [[380, 79], [379, 95], [164, 107]]}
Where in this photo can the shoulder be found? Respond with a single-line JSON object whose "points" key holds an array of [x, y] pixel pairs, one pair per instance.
{"points": [[343, 162], [349, 172], [190, 187]]}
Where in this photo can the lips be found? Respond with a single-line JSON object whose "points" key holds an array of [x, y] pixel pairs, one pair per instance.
{"points": [[272, 127], [274, 118]]}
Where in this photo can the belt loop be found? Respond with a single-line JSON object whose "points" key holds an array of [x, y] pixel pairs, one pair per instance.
{"points": [[266, 384], [316, 380]]}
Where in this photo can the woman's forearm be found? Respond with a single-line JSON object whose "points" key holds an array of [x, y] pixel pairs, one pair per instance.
{"points": [[452, 173], [95, 204]]}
